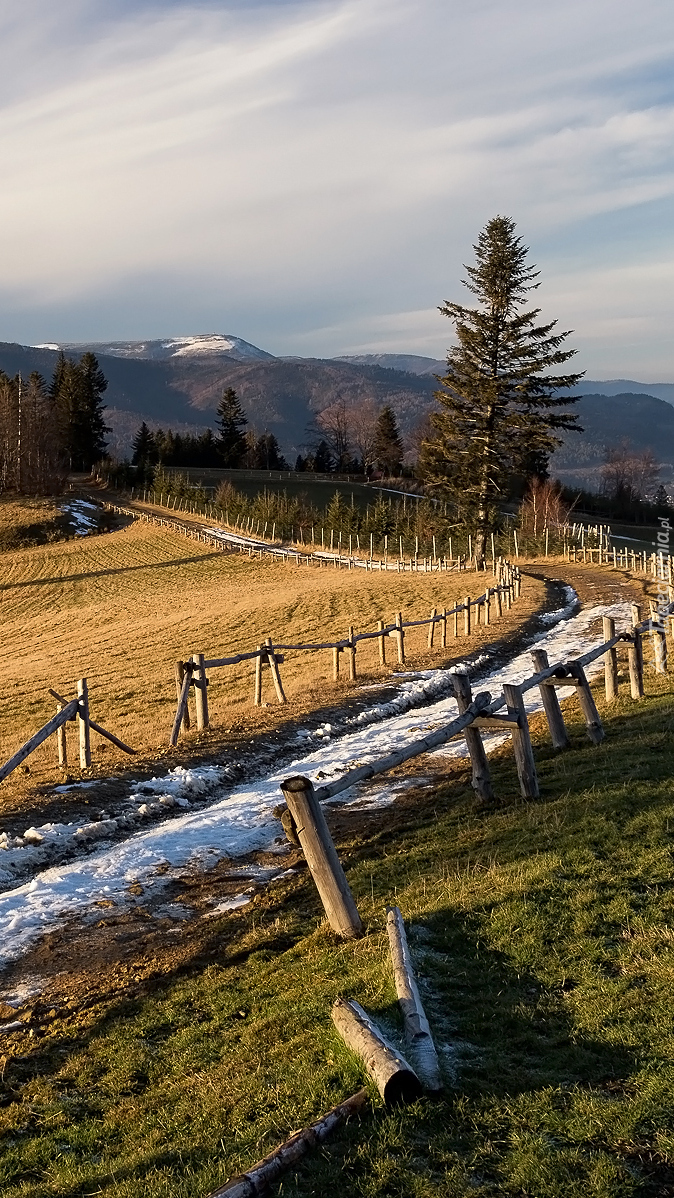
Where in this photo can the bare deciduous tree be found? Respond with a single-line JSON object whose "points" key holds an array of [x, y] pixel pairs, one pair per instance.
{"points": [[629, 475]]}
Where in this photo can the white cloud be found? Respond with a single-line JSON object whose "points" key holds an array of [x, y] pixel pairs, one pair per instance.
{"points": [[310, 169]]}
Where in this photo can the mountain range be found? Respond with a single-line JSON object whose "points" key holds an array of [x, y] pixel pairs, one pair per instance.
{"points": [[178, 382]]}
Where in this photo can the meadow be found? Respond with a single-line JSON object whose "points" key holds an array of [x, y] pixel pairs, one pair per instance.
{"points": [[121, 608]]}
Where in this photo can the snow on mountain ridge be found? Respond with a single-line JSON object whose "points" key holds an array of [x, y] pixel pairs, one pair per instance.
{"points": [[214, 344]]}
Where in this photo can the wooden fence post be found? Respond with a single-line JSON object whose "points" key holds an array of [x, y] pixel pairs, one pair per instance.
{"points": [[498, 598], [659, 639], [335, 663], [635, 657], [180, 677], [551, 707], [524, 753], [466, 616], [431, 627], [381, 641], [321, 857], [271, 658], [352, 655], [400, 633], [444, 628], [588, 706], [610, 661], [200, 691], [61, 741], [83, 720], [487, 602], [257, 693], [481, 782]]}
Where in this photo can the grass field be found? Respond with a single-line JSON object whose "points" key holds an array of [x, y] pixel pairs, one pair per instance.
{"points": [[543, 936], [120, 608]]}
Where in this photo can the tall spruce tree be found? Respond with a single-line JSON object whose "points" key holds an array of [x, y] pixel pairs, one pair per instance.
{"points": [[388, 446], [230, 422], [498, 402]]}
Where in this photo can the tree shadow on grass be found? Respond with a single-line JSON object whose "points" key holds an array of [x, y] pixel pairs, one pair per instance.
{"points": [[173, 563]]}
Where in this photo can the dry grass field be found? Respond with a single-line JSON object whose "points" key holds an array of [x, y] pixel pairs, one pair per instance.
{"points": [[120, 608]]}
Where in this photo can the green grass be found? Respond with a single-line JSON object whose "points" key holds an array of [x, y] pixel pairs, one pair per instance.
{"points": [[544, 939]]}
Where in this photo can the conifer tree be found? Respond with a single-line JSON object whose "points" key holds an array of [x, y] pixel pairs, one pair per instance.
{"points": [[76, 390], [388, 446], [230, 422], [144, 447], [498, 402]]}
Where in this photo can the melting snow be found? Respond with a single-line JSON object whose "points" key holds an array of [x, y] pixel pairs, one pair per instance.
{"points": [[242, 821]]}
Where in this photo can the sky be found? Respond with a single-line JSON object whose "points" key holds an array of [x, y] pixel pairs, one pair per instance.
{"points": [[311, 176]]}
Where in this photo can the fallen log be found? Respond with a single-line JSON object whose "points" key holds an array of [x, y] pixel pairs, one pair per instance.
{"points": [[255, 1181], [394, 1077], [417, 1029]]}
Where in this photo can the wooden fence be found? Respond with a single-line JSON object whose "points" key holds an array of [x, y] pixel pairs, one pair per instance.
{"points": [[67, 711], [477, 715], [193, 674], [252, 544]]}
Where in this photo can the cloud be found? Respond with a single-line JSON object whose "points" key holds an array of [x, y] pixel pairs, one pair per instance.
{"points": [[312, 175]]}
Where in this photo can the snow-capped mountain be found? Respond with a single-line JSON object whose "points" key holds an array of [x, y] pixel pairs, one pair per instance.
{"points": [[221, 345]]}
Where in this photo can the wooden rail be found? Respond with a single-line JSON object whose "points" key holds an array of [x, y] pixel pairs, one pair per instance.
{"points": [[475, 716], [194, 673], [68, 710]]}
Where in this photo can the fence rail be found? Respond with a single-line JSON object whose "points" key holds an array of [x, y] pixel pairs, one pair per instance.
{"points": [[68, 710], [479, 714], [193, 673]]}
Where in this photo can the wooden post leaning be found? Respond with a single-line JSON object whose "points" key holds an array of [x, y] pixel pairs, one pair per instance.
{"points": [[180, 678], [431, 627], [610, 661], [200, 690], [588, 706], [417, 1029], [522, 747], [481, 781], [396, 1080], [321, 857], [551, 707], [83, 721], [276, 676], [257, 691], [182, 704], [69, 712]]}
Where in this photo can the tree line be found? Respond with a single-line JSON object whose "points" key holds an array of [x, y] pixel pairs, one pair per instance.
{"points": [[344, 439], [48, 429]]}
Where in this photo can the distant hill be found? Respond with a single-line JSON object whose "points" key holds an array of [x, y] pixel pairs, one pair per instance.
{"points": [[629, 387], [412, 363], [178, 382], [644, 421]]}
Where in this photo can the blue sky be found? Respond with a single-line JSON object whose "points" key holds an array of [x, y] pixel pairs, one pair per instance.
{"points": [[311, 176]]}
